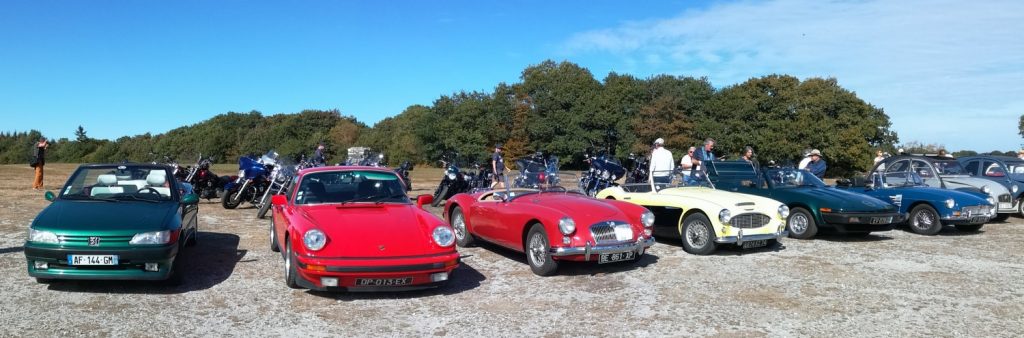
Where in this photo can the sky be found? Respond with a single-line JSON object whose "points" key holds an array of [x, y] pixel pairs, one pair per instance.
{"points": [[946, 72]]}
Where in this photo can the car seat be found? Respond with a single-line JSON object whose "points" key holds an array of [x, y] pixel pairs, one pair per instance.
{"points": [[106, 184]]}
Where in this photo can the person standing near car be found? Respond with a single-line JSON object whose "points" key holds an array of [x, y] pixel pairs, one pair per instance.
{"points": [[878, 156], [702, 157], [686, 164], [662, 163], [318, 156], [498, 162], [817, 165], [805, 160], [748, 155], [39, 161]]}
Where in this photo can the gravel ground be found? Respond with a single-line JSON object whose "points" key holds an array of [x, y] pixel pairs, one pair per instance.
{"points": [[889, 284]]}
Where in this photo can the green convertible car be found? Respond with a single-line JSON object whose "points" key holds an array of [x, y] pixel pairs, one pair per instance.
{"points": [[113, 221]]}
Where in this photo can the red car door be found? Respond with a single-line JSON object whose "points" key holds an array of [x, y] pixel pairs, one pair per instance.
{"points": [[506, 232]]}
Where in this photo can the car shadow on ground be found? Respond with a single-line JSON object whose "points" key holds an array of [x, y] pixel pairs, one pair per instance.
{"points": [[210, 262], [835, 236], [569, 268], [462, 279], [725, 249], [11, 249]]}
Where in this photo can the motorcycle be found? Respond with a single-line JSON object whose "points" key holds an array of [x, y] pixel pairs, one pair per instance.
{"points": [[536, 171], [640, 165], [403, 171], [204, 182], [280, 182], [481, 179], [603, 172], [176, 170], [253, 180], [453, 182]]}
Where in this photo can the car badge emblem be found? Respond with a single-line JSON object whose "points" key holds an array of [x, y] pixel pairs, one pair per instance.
{"points": [[380, 247], [94, 241]]}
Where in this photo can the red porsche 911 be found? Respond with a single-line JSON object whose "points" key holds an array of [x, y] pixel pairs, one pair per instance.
{"points": [[552, 222], [354, 228]]}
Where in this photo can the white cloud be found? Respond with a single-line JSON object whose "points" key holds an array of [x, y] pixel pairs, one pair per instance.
{"points": [[948, 72]]}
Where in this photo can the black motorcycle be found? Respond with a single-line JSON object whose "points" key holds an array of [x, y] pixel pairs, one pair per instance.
{"points": [[403, 171], [204, 182], [281, 179], [639, 167], [453, 182], [536, 171], [603, 172], [480, 179]]}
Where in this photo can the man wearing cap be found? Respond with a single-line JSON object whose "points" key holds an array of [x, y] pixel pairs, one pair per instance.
{"points": [[817, 165], [662, 163], [702, 157], [498, 162]]}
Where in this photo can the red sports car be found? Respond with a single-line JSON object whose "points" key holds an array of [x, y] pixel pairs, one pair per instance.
{"points": [[354, 228], [552, 224]]}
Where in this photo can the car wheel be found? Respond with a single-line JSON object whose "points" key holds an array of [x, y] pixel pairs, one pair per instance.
{"points": [[538, 253], [462, 236], [192, 240], [969, 227], [226, 201], [924, 220], [438, 197], [698, 235], [1000, 218], [801, 224], [177, 274], [290, 270], [273, 237]]}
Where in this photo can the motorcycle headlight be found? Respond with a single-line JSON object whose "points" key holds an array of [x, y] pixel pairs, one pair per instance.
{"points": [[152, 237], [985, 189], [314, 239], [451, 176], [647, 218], [783, 211], [241, 173], [40, 236], [605, 174], [443, 236], [725, 216], [950, 202], [566, 225]]}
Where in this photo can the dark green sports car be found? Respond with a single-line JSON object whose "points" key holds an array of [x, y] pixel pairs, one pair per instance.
{"points": [[812, 203], [113, 221]]}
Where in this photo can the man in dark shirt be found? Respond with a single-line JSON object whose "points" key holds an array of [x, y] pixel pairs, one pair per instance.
{"points": [[702, 157], [318, 156], [498, 167], [817, 165], [40, 160]]}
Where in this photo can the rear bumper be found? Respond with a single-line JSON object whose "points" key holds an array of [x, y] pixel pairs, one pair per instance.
{"points": [[862, 222], [131, 262], [584, 253], [424, 272]]}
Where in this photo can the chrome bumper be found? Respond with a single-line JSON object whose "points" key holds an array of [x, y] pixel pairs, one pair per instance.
{"points": [[589, 249], [739, 239]]}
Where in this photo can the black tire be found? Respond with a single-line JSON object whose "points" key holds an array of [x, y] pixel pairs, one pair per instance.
{"points": [[177, 276], [290, 271], [194, 239], [801, 224], [924, 220], [969, 227], [226, 201], [1020, 207], [698, 235], [458, 222], [538, 253], [439, 195], [273, 237], [264, 206], [1000, 218]]}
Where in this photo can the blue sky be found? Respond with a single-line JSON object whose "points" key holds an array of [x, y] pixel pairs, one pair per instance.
{"points": [[946, 72]]}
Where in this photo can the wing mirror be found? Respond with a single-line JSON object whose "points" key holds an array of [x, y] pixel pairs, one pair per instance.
{"points": [[278, 200], [190, 199], [424, 199], [49, 196]]}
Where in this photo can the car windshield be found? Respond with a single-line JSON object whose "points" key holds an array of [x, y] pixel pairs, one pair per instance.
{"points": [[1015, 167], [119, 183], [350, 187], [899, 179], [950, 167], [790, 178], [543, 182]]}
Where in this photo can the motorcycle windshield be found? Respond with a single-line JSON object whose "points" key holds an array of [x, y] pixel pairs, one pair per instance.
{"points": [[611, 165], [269, 158]]}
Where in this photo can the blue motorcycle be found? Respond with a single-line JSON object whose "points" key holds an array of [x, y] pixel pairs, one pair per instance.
{"points": [[253, 180]]}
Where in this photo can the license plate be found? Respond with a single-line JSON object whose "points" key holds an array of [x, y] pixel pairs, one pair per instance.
{"points": [[755, 244], [616, 257], [979, 219], [92, 259], [383, 281], [881, 220], [1005, 205]]}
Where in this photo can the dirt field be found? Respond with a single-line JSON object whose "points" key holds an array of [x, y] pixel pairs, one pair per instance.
{"points": [[891, 284]]}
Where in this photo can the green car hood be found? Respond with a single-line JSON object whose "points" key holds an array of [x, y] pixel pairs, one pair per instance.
{"points": [[69, 217], [835, 199]]}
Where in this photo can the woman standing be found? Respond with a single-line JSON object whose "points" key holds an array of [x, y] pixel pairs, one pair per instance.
{"points": [[40, 160]]}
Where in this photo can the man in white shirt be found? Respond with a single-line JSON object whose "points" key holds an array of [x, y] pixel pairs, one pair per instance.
{"points": [[806, 160], [662, 163], [687, 163]]}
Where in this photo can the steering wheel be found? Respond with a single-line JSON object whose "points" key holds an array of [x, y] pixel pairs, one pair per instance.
{"points": [[149, 190]]}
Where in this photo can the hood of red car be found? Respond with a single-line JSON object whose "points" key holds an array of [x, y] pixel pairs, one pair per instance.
{"points": [[368, 230], [578, 206]]}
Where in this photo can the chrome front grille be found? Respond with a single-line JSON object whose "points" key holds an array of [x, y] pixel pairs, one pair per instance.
{"points": [[975, 210], [611, 232], [1005, 198], [749, 221], [95, 241]]}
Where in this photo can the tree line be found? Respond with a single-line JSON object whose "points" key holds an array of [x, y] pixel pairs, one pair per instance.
{"points": [[556, 107]]}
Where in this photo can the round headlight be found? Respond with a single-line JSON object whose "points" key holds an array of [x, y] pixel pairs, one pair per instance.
{"points": [[950, 203], [991, 200], [314, 239], [605, 174], [451, 176], [1014, 188], [566, 225], [443, 236], [725, 215], [647, 218], [985, 189], [783, 211]]}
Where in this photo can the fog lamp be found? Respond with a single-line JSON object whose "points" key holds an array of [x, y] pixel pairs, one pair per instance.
{"points": [[329, 281], [439, 277], [152, 267], [566, 240], [41, 265]]}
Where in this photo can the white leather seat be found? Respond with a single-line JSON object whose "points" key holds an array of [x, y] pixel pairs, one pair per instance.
{"points": [[106, 184], [156, 180]]}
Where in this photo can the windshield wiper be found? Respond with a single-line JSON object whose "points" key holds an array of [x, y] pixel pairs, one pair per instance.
{"points": [[378, 199]]}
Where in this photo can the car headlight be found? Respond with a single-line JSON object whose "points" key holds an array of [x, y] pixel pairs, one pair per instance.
{"points": [[990, 200], [451, 176], [314, 239], [783, 211], [152, 237], [647, 218], [40, 236], [950, 203], [1014, 188], [443, 236], [725, 215], [566, 225], [985, 189]]}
